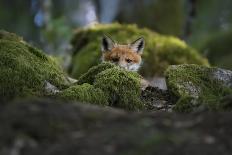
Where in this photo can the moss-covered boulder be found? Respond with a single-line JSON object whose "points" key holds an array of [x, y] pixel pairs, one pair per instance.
{"points": [[198, 86], [85, 93], [25, 70], [107, 84], [160, 51], [123, 88]]}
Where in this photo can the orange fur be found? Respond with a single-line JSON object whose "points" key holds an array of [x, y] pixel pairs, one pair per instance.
{"points": [[122, 52]]}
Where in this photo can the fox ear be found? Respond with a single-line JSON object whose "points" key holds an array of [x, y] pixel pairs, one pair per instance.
{"points": [[107, 43], [138, 45]]}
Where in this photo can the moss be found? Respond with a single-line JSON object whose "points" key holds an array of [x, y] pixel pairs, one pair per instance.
{"points": [[122, 87], [186, 104], [84, 93], [24, 69], [90, 76], [198, 86], [107, 84], [159, 53]]}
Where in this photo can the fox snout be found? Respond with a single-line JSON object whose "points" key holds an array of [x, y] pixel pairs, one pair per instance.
{"points": [[128, 66]]}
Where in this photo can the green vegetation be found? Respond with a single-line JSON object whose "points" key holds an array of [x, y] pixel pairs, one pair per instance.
{"points": [[84, 93], [107, 84], [25, 69], [90, 76], [123, 88], [160, 51], [196, 86]]}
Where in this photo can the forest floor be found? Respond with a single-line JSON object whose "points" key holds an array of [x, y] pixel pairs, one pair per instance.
{"points": [[49, 127]]}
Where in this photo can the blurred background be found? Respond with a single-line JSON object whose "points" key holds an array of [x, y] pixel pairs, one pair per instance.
{"points": [[48, 24]]}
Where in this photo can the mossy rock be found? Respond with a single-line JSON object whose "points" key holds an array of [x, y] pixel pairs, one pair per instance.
{"points": [[199, 86], [84, 93], [89, 77], [123, 88], [107, 84], [160, 51], [24, 69]]}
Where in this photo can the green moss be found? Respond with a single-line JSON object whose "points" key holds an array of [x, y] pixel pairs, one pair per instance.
{"points": [[122, 87], [186, 104], [90, 76], [107, 84], [159, 53], [24, 69], [84, 93], [198, 86]]}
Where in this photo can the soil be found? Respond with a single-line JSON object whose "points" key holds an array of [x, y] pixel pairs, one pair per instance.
{"points": [[158, 99]]}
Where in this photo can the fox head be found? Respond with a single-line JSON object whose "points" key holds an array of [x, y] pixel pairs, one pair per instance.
{"points": [[126, 56]]}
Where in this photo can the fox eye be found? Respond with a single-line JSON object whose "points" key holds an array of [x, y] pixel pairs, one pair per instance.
{"points": [[128, 60], [115, 59]]}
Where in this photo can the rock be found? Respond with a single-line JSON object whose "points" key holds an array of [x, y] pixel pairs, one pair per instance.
{"points": [[24, 70], [50, 127], [27, 72], [85, 93], [157, 99], [160, 51], [107, 84], [198, 86]]}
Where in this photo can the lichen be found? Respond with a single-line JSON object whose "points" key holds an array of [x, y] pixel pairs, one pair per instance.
{"points": [[160, 51], [84, 93], [24, 69], [196, 86]]}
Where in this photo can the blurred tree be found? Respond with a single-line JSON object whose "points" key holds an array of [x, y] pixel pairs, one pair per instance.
{"points": [[212, 17], [164, 16], [16, 16], [191, 14], [211, 31]]}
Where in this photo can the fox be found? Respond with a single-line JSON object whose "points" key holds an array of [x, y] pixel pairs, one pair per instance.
{"points": [[127, 56]]}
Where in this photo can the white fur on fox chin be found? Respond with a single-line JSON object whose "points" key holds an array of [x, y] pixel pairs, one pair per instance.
{"points": [[134, 67]]}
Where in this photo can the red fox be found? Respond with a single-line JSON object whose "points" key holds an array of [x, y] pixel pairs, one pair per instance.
{"points": [[126, 56]]}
